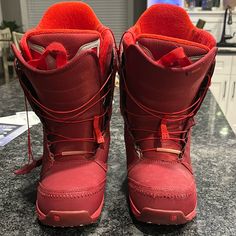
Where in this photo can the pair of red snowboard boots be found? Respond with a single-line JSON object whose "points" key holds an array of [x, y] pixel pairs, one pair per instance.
{"points": [[67, 66]]}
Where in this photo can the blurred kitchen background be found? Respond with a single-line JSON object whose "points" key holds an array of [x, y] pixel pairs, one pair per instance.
{"points": [[216, 16]]}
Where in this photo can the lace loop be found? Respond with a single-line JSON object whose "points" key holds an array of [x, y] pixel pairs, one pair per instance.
{"points": [[54, 49]]}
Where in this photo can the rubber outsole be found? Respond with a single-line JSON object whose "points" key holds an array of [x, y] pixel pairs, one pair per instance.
{"points": [[68, 218], [161, 217]]}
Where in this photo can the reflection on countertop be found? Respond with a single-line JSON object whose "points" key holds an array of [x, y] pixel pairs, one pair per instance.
{"points": [[214, 162]]}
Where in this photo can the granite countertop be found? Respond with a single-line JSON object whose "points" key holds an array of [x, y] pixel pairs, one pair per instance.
{"points": [[214, 162]]}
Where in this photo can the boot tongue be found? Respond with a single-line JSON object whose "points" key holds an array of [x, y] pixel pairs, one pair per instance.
{"points": [[58, 45], [156, 48]]}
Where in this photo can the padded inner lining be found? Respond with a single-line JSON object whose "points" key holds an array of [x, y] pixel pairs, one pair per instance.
{"points": [[71, 41], [72, 17], [158, 46], [170, 21]]}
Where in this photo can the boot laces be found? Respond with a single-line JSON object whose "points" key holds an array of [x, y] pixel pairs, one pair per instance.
{"points": [[177, 135], [71, 117]]}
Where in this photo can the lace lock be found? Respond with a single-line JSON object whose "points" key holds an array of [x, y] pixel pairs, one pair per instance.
{"points": [[98, 132], [164, 130]]}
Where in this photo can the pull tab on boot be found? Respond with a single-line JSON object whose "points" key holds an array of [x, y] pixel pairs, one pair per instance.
{"points": [[175, 58], [54, 56], [97, 131], [164, 131]]}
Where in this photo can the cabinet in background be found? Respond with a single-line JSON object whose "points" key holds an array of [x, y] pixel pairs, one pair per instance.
{"points": [[214, 22], [223, 86], [221, 80], [219, 88], [231, 103]]}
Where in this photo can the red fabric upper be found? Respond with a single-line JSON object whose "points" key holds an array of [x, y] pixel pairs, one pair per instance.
{"points": [[71, 91], [167, 63]]}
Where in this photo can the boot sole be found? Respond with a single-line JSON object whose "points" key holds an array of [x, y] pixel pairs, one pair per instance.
{"points": [[161, 217], [68, 218]]}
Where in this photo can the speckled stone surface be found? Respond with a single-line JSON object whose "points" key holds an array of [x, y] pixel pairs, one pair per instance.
{"points": [[214, 162]]}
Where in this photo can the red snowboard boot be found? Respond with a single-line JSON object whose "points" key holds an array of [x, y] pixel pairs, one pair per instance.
{"points": [[66, 69], [166, 68]]}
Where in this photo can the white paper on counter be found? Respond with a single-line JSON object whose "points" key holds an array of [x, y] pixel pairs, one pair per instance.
{"points": [[12, 126], [10, 131], [20, 119]]}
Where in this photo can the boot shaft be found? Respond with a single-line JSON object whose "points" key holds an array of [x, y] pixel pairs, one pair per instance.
{"points": [[166, 70], [167, 64], [66, 70]]}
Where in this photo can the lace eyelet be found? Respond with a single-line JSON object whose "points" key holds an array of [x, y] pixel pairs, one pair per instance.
{"points": [[138, 152], [180, 156]]}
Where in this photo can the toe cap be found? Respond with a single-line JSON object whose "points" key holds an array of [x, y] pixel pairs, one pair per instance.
{"points": [[162, 185], [72, 187]]}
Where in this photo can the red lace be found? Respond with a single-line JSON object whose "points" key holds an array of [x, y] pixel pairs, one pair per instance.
{"points": [[50, 114], [175, 58], [57, 51], [32, 162], [179, 136]]}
